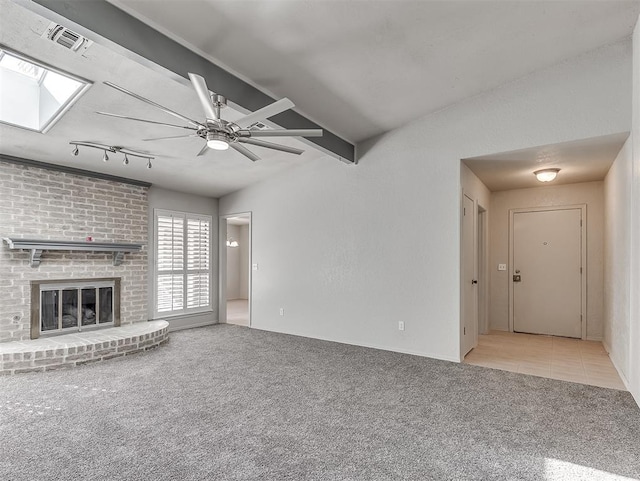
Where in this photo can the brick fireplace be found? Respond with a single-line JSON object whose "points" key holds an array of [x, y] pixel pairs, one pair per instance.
{"points": [[37, 202]]}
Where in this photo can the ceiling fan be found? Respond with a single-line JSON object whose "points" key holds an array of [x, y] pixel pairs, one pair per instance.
{"points": [[221, 134]]}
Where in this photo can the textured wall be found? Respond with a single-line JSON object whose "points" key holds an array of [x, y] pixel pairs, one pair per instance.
{"points": [[244, 261], [634, 348], [473, 188], [590, 193], [348, 251], [233, 263], [37, 203], [617, 201]]}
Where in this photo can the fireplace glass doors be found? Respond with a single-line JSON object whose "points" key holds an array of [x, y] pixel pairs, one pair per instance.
{"points": [[76, 306]]}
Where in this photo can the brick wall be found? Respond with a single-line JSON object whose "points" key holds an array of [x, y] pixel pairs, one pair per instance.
{"points": [[44, 204]]}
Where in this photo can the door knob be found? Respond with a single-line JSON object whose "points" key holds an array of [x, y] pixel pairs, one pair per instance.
{"points": [[517, 278], [474, 281]]}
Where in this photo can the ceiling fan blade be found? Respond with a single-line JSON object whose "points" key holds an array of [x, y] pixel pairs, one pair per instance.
{"points": [[281, 133], [270, 145], [172, 137], [151, 102], [145, 120], [203, 150], [244, 151], [200, 85], [265, 112]]}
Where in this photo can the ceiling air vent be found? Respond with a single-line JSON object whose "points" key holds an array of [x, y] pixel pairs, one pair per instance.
{"points": [[258, 126], [65, 37]]}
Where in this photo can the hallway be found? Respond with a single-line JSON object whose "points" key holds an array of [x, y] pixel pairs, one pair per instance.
{"points": [[238, 312], [574, 360]]}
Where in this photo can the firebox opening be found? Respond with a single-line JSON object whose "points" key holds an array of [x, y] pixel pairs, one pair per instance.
{"points": [[74, 305]]}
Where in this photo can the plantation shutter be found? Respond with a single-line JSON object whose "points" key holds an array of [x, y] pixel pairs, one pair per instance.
{"points": [[170, 258], [197, 263], [183, 268]]}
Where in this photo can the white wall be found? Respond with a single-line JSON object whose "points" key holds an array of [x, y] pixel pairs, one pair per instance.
{"points": [[181, 202], [348, 251], [634, 348], [233, 264], [590, 193], [617, 196], [244, 267], [473, 188]]}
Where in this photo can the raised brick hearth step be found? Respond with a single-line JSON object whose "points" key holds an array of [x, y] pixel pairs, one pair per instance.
{"points": [[81, 348]]}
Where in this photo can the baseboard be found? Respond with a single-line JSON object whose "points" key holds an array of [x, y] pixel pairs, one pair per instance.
{"points": [[595, 338], [369, 346], [615, 364], [180, 327]]}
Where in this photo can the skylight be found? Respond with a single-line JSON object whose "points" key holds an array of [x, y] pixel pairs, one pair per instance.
{"points": [[33, 96]]}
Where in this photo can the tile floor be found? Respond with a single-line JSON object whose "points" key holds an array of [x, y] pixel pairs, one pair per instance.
{"points": [[573, 360], [238, 312]]}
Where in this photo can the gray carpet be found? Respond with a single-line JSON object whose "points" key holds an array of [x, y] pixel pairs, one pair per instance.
{"points": [[228, 402]]}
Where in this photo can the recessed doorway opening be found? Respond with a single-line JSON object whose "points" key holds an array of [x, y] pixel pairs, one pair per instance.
{"points": [[541, 304], [235, 269]]}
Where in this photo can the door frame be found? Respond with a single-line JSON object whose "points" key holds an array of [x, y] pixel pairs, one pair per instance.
{"points": [[222, 264], [583, 257], [475, 253]]}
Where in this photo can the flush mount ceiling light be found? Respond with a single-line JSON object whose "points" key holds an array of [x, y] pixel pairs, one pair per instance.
{"points": [[114, 149], [546, 175], [33, 95]]}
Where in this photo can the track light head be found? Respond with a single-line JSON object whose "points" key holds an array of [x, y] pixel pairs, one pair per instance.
{"points": [[149, 164], [126, 160], [105, 158], [75, 151]]}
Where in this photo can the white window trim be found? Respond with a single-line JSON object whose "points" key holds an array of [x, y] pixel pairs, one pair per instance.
{"points": [[185, 311]]}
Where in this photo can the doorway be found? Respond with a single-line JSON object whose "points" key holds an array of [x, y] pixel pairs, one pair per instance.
{"points": [[235, 270], [547, 278]]}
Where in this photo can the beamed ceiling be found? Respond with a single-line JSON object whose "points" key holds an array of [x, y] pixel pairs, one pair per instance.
{"points": [[357, 69]]}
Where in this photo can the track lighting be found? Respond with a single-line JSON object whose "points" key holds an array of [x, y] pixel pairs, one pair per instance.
{"points": [[113, 149]]}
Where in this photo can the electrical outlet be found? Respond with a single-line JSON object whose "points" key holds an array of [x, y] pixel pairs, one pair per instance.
{"points": [[502, 267], [254, 267], [401, 325], [282, 311]]}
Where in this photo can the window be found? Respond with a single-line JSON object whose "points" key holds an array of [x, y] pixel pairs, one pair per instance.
{"points": [[33, 96], [183, 267]]}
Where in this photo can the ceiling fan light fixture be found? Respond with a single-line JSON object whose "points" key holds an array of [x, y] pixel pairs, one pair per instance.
{"points": [[546, 175], [217, 141]]}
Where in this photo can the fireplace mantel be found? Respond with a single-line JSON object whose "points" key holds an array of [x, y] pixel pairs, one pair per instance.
{"points": [[36, 246]]}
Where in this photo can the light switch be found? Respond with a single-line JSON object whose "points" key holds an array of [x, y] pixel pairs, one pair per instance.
{"points": [[502, 267], [254, 267]]}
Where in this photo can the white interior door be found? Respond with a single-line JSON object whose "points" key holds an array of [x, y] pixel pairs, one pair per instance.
{"points": [[469, 281], [547, 272]]}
